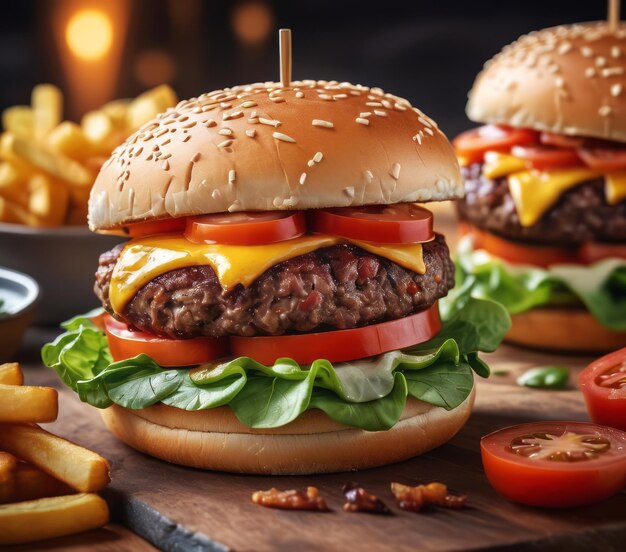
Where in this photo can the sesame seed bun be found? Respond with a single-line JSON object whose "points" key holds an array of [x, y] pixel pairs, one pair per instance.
{"points": [[568, 80], [263, 147], [313, 443], [569, 330]]}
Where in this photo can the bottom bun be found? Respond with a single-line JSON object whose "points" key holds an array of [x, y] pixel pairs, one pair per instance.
{"points": [[568, 330], [215, 440]]}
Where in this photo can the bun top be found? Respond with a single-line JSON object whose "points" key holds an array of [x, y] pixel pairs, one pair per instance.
{"points": [[264, 147], [568, 80]]}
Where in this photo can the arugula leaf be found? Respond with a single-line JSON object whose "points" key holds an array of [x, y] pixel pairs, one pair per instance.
{"points": [[600, 287], [369, 393]]}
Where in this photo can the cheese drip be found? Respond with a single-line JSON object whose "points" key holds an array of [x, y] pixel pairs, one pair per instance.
{"points": [[143, 259], [535, 191]]}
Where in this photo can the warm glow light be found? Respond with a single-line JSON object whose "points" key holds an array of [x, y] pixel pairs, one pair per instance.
{"points": [[89, 34], [252, 22]]}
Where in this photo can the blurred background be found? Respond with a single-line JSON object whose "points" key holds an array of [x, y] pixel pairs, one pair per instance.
{"points": [[427, 51]]}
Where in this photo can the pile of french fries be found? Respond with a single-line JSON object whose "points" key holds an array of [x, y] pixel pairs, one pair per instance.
{"points": [[48, 485], [47, 165]]}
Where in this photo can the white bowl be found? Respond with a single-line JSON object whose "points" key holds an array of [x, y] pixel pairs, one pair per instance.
{"points": [[62, 260]]}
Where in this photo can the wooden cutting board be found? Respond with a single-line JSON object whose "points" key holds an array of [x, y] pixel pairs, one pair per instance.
{"points": [[184, 509]]}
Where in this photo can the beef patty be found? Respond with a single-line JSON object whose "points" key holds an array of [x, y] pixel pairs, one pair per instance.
{"points": [[335, 287], [581, 214]]}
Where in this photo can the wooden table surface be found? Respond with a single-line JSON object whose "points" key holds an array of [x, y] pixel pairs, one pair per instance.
{"points": [[178, 508]]}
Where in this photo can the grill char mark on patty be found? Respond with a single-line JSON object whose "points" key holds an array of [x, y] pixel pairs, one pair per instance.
{"points": [[335, 287]]}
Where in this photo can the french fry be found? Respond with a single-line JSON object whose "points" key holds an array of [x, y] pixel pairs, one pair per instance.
{"points": [[51, 517], [11, 374], [117, 110], [48, 200], [30, 483], [8, 463], [15, 213], [80, 468], [69, 139], [100, 130], [47, 104], [22, 403], [12, 186], [18, 120], [18, 150], [149, 104]]}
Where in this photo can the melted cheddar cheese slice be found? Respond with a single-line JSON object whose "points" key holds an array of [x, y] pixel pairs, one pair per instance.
{"points": [[535, 191], [143, 259]]}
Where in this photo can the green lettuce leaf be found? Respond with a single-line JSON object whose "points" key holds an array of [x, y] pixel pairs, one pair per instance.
{"points": [[369, 394], [600, 287]]}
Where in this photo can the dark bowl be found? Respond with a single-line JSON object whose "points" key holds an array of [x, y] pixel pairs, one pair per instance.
{"points": [[62, 261], [19, 294]]}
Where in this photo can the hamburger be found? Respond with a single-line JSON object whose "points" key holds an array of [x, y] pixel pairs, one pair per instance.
{"points": [[545, 188], [275, 309]]}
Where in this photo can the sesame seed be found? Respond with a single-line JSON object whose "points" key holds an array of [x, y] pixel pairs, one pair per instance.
{"points": [[248, 103], [559, 82], [277, 99], [269, 122], [310, 163], [225, 132], [590, 72], [253, 120], [282, 137], [369, 176], [600, 61], [604, 111], [340, 96], [215, 194], [395, 171], [349, 191], [374, 104], [429, 131], [208, 108], [564, 48], [318, 157], [299, 94], [380, 112], [251, 133], [586, 51], [365, 114], [165, 165], [196, 157], [235, 206], [321, 123], [302, 179], [211, 123], [362, 121], [400, 107], [225, 144], [616, 52], [226, 105], [232, 176], [616, 90], [424, 121], [418, 138], [325, 97], [612, 71]]}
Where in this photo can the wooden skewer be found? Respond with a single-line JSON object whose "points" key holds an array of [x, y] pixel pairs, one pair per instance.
{"points": [[614, 14], [285, 57]]}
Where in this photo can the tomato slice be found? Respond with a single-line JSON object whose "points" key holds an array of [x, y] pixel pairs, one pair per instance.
{"points": [[521, 253], [561, 140], [149, 228], [125, 343], [400, 223], [555, 464], [342, 345], [246, 228], [544, 157], [603, 384], [473, 144], [604, 159], [596, 251]]}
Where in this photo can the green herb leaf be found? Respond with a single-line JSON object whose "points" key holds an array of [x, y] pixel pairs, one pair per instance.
{"points": [[545, 377]]}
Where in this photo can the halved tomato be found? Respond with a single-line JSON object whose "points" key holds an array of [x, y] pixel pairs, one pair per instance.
{"points": [[126, 343], [604, 159], [473, 144], [246, 228], [400, 223], [603, 384], [545, 157], [561, 140], [555, 464], [342, 345]]}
